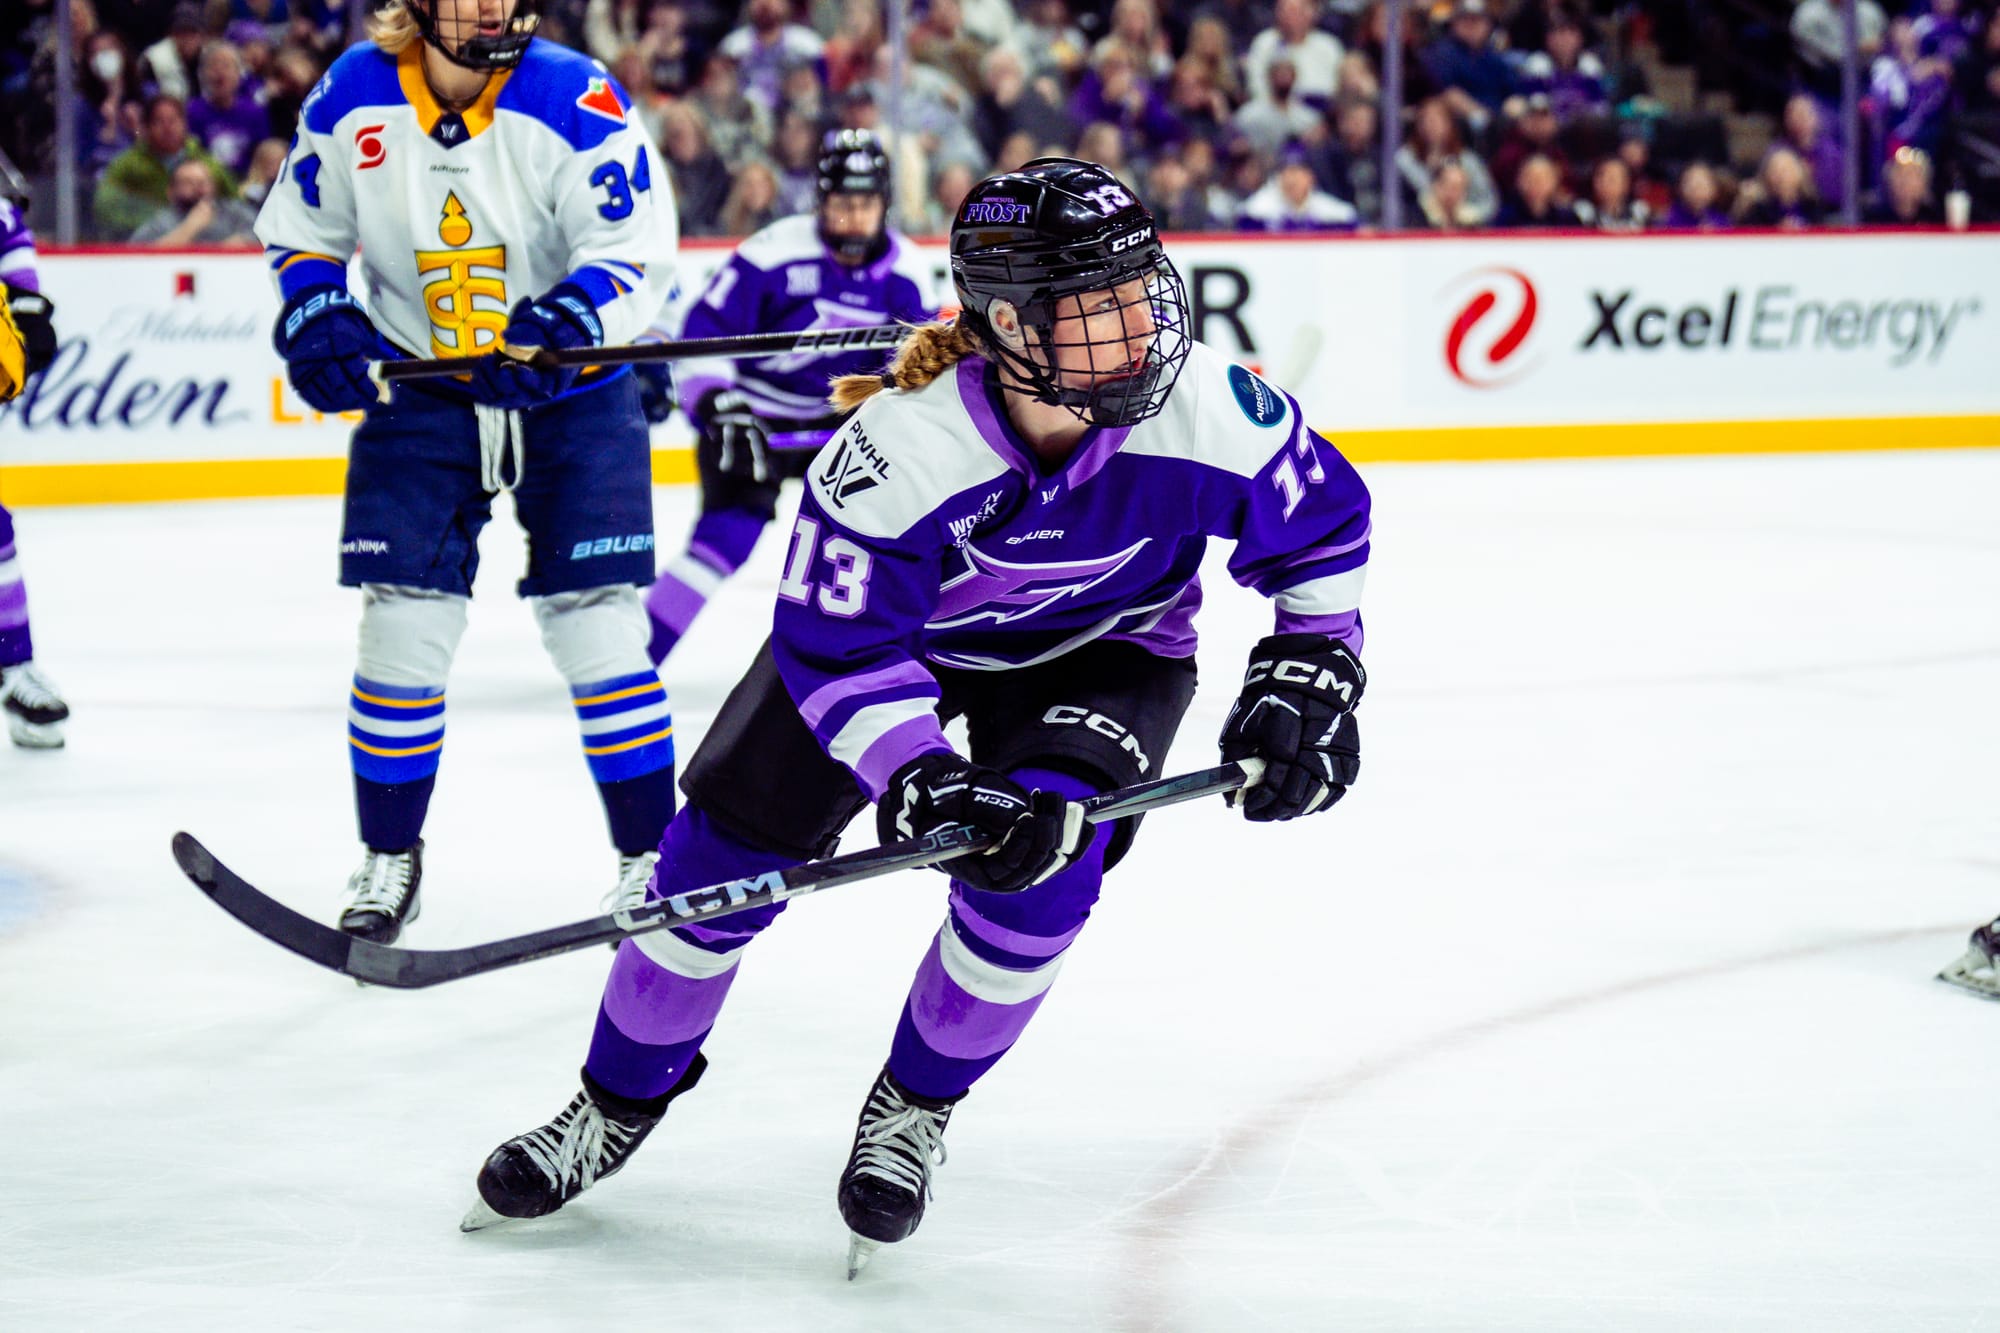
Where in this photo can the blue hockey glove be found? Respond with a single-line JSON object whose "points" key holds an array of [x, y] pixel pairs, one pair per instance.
{"points": [[1038, 832], [327, 343], [1296, 713], [559, 321]]}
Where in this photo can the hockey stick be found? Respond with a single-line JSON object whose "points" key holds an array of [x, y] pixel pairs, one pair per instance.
{"points": [[748, 344], [409, 969]]}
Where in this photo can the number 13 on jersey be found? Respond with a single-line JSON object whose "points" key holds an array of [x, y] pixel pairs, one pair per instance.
{"points": [[845, 592]]}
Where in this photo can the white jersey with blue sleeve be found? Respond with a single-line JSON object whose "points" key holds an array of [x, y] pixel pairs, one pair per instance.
{"points": [[459, 215]]}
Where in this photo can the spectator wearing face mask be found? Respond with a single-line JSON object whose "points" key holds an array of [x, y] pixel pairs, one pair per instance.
{"points": [[227, 120], [1276, 116], [194, 216], [135, 185]]}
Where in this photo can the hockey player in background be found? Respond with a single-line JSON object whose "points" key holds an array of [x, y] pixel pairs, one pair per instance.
{"points": [[35, 712], [501, 198], [761, 421], [1010, 531]]}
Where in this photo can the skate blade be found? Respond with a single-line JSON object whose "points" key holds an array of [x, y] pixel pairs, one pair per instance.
{"points": [[1974, 974], [859, 1251], [481, 1217], [35, 736]]}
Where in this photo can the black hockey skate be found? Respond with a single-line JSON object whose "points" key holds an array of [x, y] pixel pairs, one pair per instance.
{"points": [[35, 712], [1976, 970], [888, 1176], [382, 895], [536, 1173]]}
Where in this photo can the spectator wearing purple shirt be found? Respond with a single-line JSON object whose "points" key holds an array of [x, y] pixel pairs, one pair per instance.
{"points": [[1571, 76], [1697, 201], [768, 46], [1113, 92], [1782, 195], [1909, 93], [227, 120], [1805, 131]]}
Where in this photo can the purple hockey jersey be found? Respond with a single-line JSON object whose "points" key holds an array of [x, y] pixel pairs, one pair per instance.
{"points": [[17, 250], [930, 534], [782, 280]]}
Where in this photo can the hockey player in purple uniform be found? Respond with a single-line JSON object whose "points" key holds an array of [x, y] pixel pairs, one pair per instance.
{"points": [[35, 711], [762, 421], [502, 201], [1010, 530]]}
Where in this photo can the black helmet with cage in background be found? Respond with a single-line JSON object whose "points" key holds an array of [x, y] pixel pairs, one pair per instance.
{"points": [[853, 162], [1056, 230], [461, 42]]}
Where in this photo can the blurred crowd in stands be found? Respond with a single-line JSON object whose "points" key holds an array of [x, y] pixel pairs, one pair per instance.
{"points": [[1261, 115]]}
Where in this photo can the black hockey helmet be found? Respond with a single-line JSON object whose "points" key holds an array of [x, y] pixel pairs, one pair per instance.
{"points": [[1054, 231], [461, 42], [853, 162]]}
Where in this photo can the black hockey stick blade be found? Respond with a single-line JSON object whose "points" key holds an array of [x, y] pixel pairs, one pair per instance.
{"points": [[409, 969]]}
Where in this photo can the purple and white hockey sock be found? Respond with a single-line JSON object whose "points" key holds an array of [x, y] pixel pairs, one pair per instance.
{"points": [[667, 987], [16, 645], [990, 967], [722, 541]]}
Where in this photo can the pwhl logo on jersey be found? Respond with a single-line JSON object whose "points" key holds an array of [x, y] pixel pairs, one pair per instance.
{"points": [[1486, 343], [599, 99]]}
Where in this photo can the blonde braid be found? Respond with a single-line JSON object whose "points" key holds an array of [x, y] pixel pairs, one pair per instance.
{"points": [[925, 353]]}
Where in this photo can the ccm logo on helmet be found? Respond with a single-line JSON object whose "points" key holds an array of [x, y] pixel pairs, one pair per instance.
{"points": [[1119, 244], [1322, 679], [1069, 715]]}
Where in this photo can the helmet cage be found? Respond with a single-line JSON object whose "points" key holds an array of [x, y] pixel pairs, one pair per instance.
{"points": [[461, 42], [1044, 287]]}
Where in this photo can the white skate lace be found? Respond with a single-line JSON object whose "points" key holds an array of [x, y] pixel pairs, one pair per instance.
{"points": [[635, 877], [903, 1145], [29, 687], [381, 884], [576, 1148]]}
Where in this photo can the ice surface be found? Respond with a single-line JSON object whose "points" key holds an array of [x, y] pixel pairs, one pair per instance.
{"points": [[1603, 1003]]}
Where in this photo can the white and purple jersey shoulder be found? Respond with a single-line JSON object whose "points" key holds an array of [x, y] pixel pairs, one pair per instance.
{"points": [[929, 535], [17, 250], [784, 280]]}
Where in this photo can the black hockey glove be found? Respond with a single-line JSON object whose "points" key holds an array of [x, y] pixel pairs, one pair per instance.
{"points": [[32, 312], [1039, 832], [327, 343], [656, 391], [742, 443], [559, 321], [1296, 713]]}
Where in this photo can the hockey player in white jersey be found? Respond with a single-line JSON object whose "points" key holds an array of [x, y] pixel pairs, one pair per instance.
{"points": [[761, 421], [500, 196]]}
